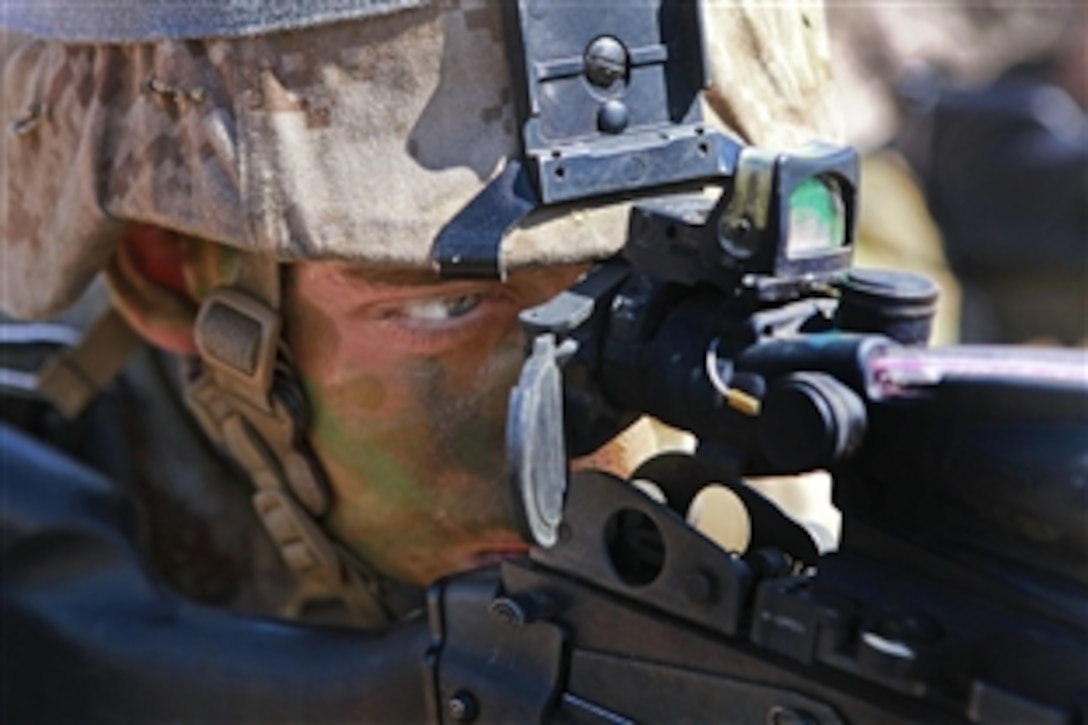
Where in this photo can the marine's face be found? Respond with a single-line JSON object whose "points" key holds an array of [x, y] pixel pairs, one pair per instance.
{"points": [[408, 378]]}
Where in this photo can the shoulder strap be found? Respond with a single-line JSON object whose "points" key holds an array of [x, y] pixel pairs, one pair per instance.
{"points": [[74, 377]]}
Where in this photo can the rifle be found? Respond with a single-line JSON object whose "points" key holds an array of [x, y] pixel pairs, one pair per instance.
{"points": [[958, 590]]}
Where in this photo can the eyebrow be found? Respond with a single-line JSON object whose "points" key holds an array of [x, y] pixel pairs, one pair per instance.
{"points": [[393, 276]]}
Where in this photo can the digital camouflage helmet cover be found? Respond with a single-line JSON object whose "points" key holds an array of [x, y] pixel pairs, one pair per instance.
{"points": [[339, 130]]}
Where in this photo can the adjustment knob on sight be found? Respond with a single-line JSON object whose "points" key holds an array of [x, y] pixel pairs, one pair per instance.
{"points": [[809, 421]]}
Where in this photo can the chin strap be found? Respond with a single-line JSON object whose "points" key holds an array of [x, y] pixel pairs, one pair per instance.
{"points": [[247, 397]]}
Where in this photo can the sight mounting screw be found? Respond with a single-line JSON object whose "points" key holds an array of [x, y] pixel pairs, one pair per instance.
{"points": [[606, 61]]}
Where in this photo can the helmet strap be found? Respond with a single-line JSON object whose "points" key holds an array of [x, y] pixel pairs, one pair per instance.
{"points": [[247, 397]]}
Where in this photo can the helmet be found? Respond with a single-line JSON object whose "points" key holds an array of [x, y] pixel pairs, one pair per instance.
{"points": [[338, 130], [344, 129]]}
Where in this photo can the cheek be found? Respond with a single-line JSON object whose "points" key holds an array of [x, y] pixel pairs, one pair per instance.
{"points": [[392, 424], [469, 408], [312, 336], [344, 397]]}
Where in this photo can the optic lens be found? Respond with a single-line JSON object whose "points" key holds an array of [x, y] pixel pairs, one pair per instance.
{"points": [[817, 218]]}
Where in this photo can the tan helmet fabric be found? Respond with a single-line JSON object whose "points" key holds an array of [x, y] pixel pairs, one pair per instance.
{"points": [[356, 140]]}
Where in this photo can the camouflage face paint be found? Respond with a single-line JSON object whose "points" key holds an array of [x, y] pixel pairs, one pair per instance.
{"points": [[470, 415], [434, 460], [409, 415]]}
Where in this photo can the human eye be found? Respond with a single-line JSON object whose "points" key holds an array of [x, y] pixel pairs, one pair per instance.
{"points": [[440, 320], [441, 309]]}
